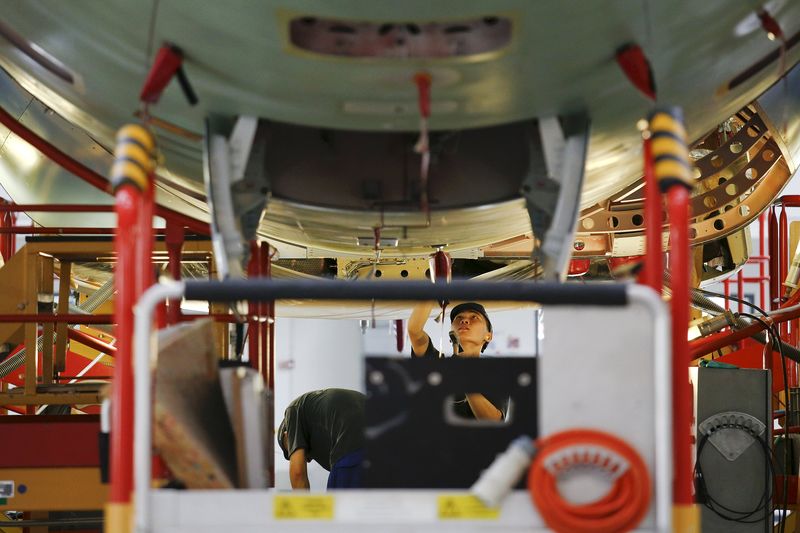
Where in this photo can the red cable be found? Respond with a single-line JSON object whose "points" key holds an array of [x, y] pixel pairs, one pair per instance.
{"points": [[423, 82], [622, 509]]}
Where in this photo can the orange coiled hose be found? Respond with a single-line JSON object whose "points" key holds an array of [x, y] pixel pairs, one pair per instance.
{"points": [[621, 509]]}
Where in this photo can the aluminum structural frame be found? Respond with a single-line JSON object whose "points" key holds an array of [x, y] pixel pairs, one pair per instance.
{"points": [[544, 293]]}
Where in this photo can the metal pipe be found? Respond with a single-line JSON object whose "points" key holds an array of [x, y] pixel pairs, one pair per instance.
{"points": [[33, 230], [269, 348], [705, 345], [174, 242], [50, 318], [56, 208], [132, 178], [678, 206], [85, 522], [740, 290], [762, 301], [548, 293], [671, 165], [92, 342], [128, 200], [253, 309], [783, 244], [265, 272], [789, 200], [142, 442], [774, 253], [654, 261], [85, 173]]}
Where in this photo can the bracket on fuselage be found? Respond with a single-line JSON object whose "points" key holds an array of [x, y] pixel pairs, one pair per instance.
{"points": [[552, 188], [237, 186]]}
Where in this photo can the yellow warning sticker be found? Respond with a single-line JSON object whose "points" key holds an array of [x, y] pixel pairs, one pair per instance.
{"points": [[465, 507], [303, 507]]}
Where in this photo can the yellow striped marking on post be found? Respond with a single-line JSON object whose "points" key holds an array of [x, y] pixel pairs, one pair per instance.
{"points": [[669, 168], [668, 145], [137, 133], [666, 122], [123, 170], [303, 507], [464, 507]]}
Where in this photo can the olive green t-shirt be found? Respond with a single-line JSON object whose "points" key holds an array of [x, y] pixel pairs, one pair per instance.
{"points": [[328, 424]]}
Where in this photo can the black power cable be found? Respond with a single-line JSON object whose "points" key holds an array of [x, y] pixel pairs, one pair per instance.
{"points": [[776, 342], [723, 511]]}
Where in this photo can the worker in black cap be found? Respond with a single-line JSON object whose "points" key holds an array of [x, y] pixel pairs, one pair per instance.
{"points": [[470, 332]]}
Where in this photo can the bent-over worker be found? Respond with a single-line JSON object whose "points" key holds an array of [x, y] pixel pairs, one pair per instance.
{"points": [[326, 426]]}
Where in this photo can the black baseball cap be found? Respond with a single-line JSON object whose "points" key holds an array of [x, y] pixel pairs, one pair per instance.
{"points": [[471, 306]]}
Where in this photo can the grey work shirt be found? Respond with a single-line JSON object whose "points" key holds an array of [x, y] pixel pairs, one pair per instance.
{"points": [[328, 424]]}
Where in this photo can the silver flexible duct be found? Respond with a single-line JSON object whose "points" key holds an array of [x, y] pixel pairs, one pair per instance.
{"points": [[95, 300], [701, 301]]}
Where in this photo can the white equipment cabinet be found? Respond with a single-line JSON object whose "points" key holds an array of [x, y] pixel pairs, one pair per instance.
{"points": [[602, 367]]}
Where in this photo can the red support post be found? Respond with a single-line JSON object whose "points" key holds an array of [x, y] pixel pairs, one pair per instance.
{"points": [[740, 289], [726, 284], [783, 245], [268, 346], [762, 301], [253, 309], [671, 167], [132, 179], [775, 259], [265, 269], [679, 262], [174, 242], [129, 199], [654, 260]]}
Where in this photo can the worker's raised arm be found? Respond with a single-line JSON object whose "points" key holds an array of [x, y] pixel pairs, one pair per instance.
{"points": [[416, 327], [482, 408]]}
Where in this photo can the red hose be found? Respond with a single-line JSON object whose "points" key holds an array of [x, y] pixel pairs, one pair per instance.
{"points": [[621, 509]]}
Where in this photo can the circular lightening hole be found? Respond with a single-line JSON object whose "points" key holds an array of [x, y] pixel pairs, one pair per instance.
{"points": [[378, 273], [736, 147], [721, 180], [719, 224], [716, 161], [768, 155], [751, 173], [692, 233], [613, 222], [587, 223], [744, 210], [637, 220], [710, 201], [404, 273], [731, 189], [752, 132], [696, 173]]}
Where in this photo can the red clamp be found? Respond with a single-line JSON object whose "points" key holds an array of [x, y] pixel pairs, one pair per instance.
{"points": [[770, 25], [423, 82], [636, 67], [168, 63]]}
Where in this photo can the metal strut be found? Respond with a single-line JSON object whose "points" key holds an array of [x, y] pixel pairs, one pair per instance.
{"points": [[552, 188], [237, 185]]}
